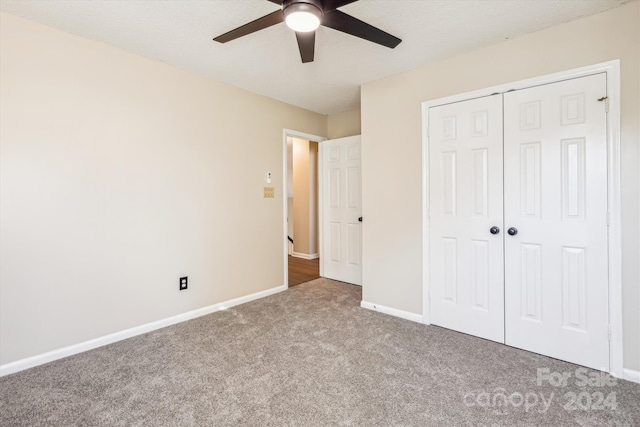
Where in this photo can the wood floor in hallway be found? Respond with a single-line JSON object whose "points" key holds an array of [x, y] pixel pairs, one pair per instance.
{"points": [[302, 270]]}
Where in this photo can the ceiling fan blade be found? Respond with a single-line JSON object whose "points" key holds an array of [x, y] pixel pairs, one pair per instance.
{"points": [[307, 45], [253, 26], [348, 24], [329, 5], [276, 2]]}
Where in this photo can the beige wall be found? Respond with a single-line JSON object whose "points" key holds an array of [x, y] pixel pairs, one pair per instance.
{"points": [[301, 196], [391, 149], [305, 207], [314, 227], [343, 124], [120, 174], [290, 190], [290, 219]]}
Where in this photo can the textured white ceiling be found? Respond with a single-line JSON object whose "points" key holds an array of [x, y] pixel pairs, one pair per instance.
{"points": [[180, 32]]}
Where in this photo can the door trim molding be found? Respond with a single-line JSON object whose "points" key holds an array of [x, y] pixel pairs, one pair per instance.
{"points": [[285, 229], [612, 69]]}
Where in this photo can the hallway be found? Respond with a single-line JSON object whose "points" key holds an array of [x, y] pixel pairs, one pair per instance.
{"points": [[303, 270]]}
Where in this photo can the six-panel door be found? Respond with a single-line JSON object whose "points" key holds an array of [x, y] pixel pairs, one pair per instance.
{"points": [[553, 285], [342, 210], [466, 269], [555, 195]]}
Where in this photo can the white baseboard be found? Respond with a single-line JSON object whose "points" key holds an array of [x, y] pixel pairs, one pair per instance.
{"points": [[40, 359], [305, 256], [392, 311], [631, 375]]}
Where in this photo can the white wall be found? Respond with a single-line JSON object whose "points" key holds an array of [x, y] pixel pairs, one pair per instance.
{"points": [[118, 175], [391, 149]]}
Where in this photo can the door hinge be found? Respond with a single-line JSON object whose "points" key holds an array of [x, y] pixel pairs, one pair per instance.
{"points": [[606, 103], [608, 218]]}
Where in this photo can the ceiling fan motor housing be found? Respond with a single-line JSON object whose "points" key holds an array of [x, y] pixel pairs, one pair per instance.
{"points": [[310, 6]]}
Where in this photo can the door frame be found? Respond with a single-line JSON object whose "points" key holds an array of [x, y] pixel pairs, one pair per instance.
{"points": [[612, 70], [285, 230]]}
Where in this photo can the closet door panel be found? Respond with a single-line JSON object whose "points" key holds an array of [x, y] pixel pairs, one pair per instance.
{"points": [[466, 259], [555, 193]]}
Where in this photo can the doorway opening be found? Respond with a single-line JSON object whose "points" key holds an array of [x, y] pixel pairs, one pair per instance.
{"points": [[301, 207], [302, 210], [334, 232]]}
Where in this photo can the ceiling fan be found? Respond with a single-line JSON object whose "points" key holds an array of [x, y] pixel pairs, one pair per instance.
{"points": [[305, 16]]}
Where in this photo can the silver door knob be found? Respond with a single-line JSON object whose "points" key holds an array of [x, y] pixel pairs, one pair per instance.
{"points": [[494, 230], [512, 231]]}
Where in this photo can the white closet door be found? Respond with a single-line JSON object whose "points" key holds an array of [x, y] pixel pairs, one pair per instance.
{"points": [[556, 285], [465, 196]]}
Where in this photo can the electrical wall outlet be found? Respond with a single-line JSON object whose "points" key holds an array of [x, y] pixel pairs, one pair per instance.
{"points": [[268, 193], [183, 283]]}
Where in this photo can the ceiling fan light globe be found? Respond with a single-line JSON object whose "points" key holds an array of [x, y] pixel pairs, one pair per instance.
{"points": [[302, 22], [302, 17]]}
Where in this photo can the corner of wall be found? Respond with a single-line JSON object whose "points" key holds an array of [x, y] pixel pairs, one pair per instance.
{"points": [[344, 124]]}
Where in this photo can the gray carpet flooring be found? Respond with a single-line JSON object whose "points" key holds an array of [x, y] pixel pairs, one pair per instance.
{"points": [[310, 356]]}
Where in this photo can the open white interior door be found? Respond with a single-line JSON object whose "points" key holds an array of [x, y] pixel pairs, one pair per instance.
{"points": [[341, 255]]}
